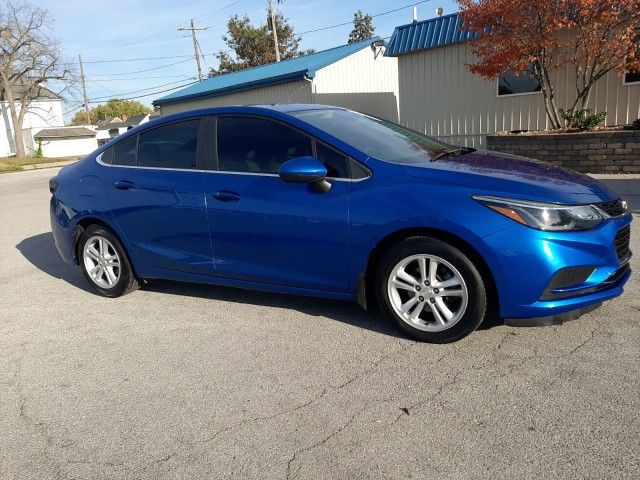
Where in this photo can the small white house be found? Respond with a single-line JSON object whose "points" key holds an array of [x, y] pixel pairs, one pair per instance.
{"points": [[65, 141], [114, 126], [44, 111], [356, 76]]}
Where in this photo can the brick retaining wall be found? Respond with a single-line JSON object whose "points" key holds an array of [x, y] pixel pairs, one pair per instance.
{"points": [[591, 152]]}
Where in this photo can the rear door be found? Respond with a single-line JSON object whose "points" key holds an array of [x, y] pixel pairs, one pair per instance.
{"points": [[155, 186], [265, 230]]}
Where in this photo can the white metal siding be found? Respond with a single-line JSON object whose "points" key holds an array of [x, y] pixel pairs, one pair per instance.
{"points": [[293, 92], [365, 81], [440, 97]]}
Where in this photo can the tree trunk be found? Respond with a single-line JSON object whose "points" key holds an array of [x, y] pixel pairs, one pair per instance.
{"points": [[16, 120], [550, 101], [541, 73]]}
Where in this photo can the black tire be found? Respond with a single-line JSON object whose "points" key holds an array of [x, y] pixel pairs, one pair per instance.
{"points": [[476, 307], [126, 279]]}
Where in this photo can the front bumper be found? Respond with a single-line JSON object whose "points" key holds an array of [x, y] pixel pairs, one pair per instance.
{"points": [[527, 260], [552, 319]]}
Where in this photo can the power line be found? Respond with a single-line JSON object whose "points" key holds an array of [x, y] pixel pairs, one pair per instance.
{"points": [[139, 90], [141, 71], [170, 29], [154, 77], [186, 58], [136, 59], [152, 93], [372, 16], [73, 109]]}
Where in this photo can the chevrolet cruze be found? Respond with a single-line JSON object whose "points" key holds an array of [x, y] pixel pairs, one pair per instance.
{"points": [[323, 201]]}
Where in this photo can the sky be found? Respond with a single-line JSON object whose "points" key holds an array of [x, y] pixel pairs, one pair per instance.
{"points": [[120, 40]]}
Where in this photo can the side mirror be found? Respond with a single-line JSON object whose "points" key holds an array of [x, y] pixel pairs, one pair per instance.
{"points": [[305, 170]]}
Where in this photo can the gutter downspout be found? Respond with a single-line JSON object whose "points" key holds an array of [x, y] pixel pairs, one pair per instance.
{"points": [[313, 88]]}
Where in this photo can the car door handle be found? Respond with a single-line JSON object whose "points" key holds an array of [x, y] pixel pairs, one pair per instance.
{"points": [[124, 185], [226, 196]]}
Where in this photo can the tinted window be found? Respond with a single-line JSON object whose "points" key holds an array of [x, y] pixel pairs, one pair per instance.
{"points": [[257, 145], [512, 84], [374, 137], [125, 151], [107, 156], [631, 77], [169, 146], [335, 162]]}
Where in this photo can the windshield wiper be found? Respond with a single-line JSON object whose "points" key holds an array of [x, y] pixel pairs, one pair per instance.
{"points": [[444, 153]]}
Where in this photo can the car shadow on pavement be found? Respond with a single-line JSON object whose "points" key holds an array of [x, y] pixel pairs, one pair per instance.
{"points": [[40, 250]]}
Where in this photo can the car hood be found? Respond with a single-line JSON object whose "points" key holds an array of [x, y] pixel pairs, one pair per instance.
{"points": [[513, 176]]}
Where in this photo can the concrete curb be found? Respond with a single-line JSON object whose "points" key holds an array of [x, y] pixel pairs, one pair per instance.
{"points": [[39, 166]]}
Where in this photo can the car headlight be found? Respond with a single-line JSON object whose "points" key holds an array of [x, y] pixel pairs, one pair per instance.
{"points": [[544, 216]]}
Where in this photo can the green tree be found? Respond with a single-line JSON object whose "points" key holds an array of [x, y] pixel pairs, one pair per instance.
{"points": [[253, 45], [362, 27], [113, 108]]}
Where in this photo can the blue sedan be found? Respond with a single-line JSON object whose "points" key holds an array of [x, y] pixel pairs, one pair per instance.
{"points": [[323, 201]]}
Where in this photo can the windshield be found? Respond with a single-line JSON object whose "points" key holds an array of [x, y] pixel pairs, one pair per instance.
{"points": [[377, 138]]}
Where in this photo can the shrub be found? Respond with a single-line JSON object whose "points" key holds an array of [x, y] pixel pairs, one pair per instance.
{"points": [[38, 152], [635, 125], [582, 119]]}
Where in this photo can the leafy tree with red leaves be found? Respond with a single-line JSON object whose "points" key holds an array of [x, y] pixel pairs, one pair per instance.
{"points": [[590, 37]]}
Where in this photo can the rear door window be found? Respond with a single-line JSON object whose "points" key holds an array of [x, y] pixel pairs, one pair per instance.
{"points": [[125, 152], [172, 146]]}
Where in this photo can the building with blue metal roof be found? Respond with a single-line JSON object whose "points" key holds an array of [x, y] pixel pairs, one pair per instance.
{"points": [[356, 76], [440, 97], [436, 32]]}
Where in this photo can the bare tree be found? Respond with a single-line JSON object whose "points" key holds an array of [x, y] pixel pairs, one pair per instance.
{"points": [[29, 58]]}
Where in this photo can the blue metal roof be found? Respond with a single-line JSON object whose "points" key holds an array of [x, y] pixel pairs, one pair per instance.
{"points": [[431, 33], [270, 74]]}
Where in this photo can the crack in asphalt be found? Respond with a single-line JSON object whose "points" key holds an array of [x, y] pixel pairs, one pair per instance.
{"points": [[333, 434], [581, 344], [41, 427], [504, 339], [263, 418]]}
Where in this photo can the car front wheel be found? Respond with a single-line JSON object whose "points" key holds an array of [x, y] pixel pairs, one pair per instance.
{"points": [[104, 262], [431, 290]]}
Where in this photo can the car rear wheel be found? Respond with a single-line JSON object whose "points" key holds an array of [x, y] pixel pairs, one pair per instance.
{"points": [[431, 290], [104, 263]]}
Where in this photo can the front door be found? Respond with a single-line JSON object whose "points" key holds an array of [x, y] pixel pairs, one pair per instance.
{"points": [[268, 231], [155, 188]]}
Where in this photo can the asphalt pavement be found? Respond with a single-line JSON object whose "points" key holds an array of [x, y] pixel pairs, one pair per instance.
{"points": [[180, 381]]}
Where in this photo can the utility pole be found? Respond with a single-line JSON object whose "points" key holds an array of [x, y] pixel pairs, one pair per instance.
{"points": [[272, 17], [84, 91], [196, 48]]}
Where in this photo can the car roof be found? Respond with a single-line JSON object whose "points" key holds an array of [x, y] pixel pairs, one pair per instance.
{"points": [[247, 109], [272, 110]]}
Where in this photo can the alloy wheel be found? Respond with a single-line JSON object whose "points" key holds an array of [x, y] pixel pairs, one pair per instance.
{"points": [[427, 292], [101, 261]]}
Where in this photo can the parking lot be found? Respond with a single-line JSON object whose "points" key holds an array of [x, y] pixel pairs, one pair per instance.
{"points": [[180, 381]]}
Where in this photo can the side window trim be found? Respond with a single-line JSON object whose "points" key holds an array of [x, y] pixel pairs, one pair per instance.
{"points": [[200, 151], [201, 144], [347, 158], [211, 144]]}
